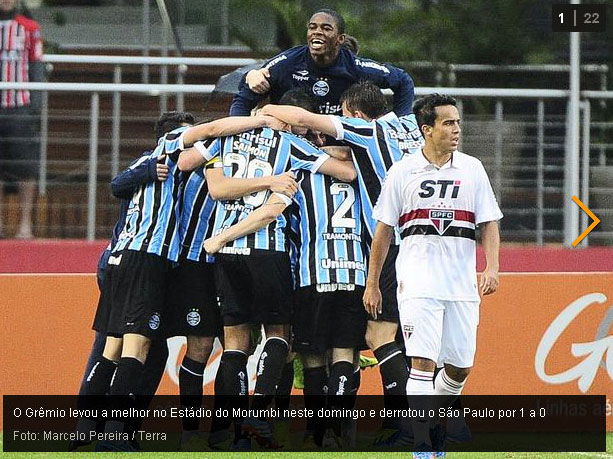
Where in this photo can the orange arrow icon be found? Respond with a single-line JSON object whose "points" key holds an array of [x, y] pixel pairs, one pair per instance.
{"points": [[589, 228]]}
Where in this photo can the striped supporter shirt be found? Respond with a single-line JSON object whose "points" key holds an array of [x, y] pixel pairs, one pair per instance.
{"points": [[20, 44]]}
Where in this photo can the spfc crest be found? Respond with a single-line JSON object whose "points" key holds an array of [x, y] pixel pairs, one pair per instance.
{"points": [[441, 219], [407, 331]]}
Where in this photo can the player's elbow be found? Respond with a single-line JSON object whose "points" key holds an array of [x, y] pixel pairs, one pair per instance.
{"points": [[348, 173], [216, 192], [186, 163]]}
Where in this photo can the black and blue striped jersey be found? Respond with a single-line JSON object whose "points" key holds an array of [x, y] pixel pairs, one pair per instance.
{"points": [[376, 145], [328, 232], [256, 153], [197, 216], [152, 219]]}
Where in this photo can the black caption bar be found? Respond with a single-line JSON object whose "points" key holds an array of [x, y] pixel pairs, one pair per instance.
{"points": [[472, 423]]}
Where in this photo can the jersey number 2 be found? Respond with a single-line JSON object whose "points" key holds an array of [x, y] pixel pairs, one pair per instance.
{"points": [[339, 218]]}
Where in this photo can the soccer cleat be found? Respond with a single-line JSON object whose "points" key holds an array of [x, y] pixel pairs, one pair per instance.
{"points": [[423, 455], [261, 430], [367, 362]]}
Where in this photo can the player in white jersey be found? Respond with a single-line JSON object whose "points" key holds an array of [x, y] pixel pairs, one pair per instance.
{"points": [[437, 199]]}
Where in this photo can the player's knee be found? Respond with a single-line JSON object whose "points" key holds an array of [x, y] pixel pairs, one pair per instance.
{"points": [[379, 333], [277, 330], [457, 374], [199, 348], [136, 346], [423, 364]]}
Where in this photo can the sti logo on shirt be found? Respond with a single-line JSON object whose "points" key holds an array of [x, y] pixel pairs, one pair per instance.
{"points": [[429, 187], [441, 219]]}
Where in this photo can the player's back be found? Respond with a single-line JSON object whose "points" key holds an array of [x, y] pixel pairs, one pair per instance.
{"points": [[377, 145], [153, 214], [197, 215], [328, 232], [256, 153]]}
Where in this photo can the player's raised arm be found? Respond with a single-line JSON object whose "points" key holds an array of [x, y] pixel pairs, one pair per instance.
{"points": [[226, 126], [142, 170], [490, 239], [296, 116], [341, 170], [257, 219]]}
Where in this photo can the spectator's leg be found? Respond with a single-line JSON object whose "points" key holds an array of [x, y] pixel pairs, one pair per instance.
{"points": [[27, 190]]}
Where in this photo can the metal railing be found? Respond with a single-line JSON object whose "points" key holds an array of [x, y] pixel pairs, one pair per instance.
{"points": [[494, 162]]}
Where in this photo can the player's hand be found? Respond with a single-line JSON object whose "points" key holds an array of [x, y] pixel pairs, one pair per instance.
{"points": [[275, 123], [373, 301], [213, 244], [257, 80], [489, 281], [284, 183], [161, 169]]}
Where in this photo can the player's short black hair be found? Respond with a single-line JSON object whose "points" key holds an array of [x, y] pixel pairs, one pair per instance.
{"points": [[340, 22], [366, 97], [169, 121], [351, 43], [424, 108], [299, 97]]}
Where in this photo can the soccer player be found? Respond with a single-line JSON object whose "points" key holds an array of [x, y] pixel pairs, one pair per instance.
{"points": [[330, 273], [249, 294], [378, 139], [146, 248], [21, 52], [325, 68], [144, 170], [193, 296], [437, 199]]}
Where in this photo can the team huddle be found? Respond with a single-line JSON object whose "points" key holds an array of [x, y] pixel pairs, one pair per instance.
{"points": [[327, 219]]}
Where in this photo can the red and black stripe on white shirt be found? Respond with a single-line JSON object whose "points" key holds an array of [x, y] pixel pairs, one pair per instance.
{"points": [[20, 44]]}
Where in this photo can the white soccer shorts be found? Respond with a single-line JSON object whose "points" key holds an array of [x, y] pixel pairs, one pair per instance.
{"points": [[439, 330]]}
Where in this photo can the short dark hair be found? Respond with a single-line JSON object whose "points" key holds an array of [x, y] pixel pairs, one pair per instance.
{"points": [[366, 97], [340, 22], [351, 43], [169, 121], [299, 97], [424, 108]]}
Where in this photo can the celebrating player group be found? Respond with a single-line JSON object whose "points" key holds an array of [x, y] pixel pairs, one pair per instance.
{"points": [[326, 221]]}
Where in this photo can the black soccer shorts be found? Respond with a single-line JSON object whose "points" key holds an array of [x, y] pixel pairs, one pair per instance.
{"points": [[138, 293], [192, 300], [255, 288], [325, 320]]}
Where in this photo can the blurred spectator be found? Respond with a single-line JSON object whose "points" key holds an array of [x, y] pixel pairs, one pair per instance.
{"points": [[21, 51]]}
